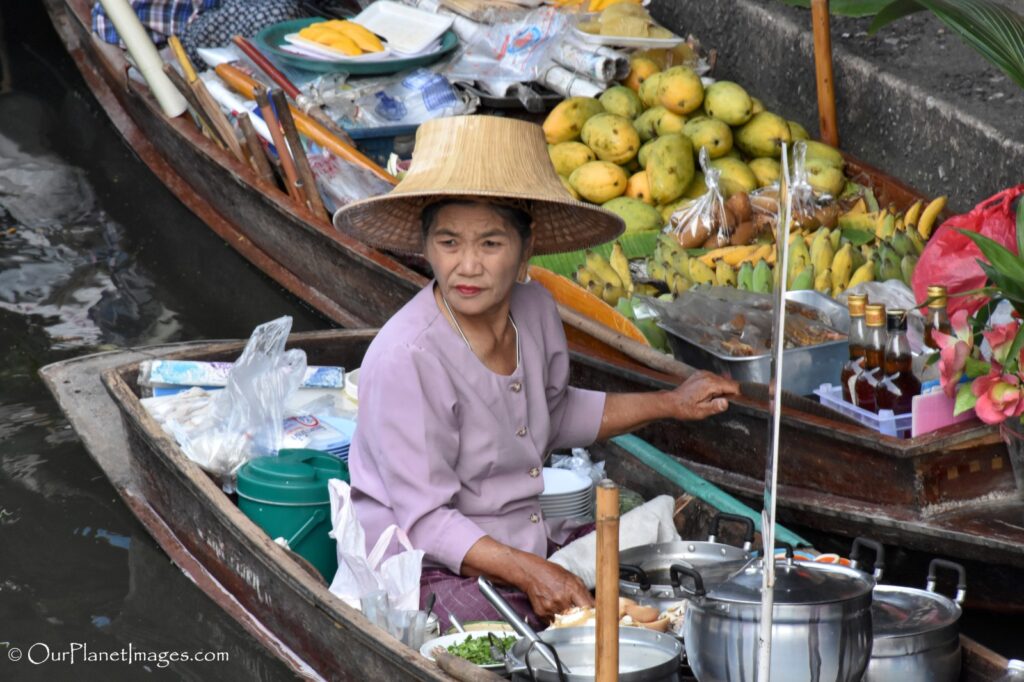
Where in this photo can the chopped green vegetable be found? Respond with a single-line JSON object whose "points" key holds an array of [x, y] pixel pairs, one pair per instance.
{"points": [[478, 649]]}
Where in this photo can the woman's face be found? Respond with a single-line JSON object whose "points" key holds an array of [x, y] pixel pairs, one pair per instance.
{"points": [[476, 257]]}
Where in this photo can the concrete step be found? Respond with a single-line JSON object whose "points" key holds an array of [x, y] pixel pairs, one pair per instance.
{"points": [[913, 100]]}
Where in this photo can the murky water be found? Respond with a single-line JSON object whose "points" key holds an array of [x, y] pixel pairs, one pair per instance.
{"points": [[95, 253]]}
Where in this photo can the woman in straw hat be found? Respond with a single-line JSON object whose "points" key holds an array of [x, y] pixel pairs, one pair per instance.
{"points": [[465, 390]]}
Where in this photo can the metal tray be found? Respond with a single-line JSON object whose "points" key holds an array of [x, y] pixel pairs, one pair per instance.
{"points": [[805, 369]]}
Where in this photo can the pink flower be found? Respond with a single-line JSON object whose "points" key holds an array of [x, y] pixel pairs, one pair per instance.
{"points": [[953, 352], [1000, 339], [999, 397]]}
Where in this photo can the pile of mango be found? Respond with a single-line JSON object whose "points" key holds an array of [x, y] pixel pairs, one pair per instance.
{"points": [[345, 36], [639, 141]]}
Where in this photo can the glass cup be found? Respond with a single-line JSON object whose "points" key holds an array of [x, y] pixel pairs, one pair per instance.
{"points": [[375, 606], [408, 626]]}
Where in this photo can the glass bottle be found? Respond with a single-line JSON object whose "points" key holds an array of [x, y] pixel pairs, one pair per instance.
{"points": [[897, 389], [936, 317], [874, 357], [858, 332]]}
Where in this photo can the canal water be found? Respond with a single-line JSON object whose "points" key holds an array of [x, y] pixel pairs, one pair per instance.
{"points": [[96, 254]]}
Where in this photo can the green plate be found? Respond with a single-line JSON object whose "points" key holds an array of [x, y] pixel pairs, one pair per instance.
{"points": [[271, 39]]}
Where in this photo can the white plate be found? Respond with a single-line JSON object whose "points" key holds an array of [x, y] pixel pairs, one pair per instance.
{"points": [[446, 641], [406, 29], [625, 41], [564, 482], [326, 52]]}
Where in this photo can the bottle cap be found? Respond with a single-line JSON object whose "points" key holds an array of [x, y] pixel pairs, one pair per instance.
{"points": [[937, 296], [896, 320], [857, 302], [874, 315]]}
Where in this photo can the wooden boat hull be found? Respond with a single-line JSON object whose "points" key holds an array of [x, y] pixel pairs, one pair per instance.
{"points": [[234, 562], [928, 493]]}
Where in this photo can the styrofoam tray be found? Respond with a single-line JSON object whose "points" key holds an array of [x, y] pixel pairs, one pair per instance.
{"points": [[406, 29], [625, 41], [321, 51]]}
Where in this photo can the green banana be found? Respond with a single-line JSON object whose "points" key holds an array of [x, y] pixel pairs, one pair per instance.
{"points": [[901, 243], [834, 238], [857, 256], [761, 279], [907, 266], [804, 280], [745, 277], [890, 265], [916, 240]]}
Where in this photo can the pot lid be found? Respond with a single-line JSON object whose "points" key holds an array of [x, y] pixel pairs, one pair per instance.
{"points": [[795, 583], [899, 611]]}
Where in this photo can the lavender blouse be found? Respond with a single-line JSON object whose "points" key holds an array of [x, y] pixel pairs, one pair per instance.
{"points": [[450, 451]]}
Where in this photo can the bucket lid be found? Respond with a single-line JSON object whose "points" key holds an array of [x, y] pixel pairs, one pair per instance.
{"points": [[796, 583], [899, 611], [292, 477]]}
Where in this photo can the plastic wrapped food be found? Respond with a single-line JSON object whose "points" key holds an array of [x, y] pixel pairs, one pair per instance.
{"points": [[704, 219]]}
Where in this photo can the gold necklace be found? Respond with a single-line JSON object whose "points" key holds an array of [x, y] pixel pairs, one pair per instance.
{"points": [[458, 327]]}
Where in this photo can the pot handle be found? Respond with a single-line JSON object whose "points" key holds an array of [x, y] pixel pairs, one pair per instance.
{"points": [[631, 573], [678, 571], [747, 523], [961, 585], [873, 545], [542, 646]]}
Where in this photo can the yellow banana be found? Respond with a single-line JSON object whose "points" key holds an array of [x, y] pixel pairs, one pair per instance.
{"points": [[680, 262], [680, 284], [612, 294], [842, 267], [733, 255], [656, 270], [821, 251], [823, 281], [620, 264], [913, 214], [583, 277], [602, 269], [700, 273], [865, 273], [725, 274], [928, 217]]}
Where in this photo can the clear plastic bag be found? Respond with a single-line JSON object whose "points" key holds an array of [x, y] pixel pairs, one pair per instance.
{"points": [[408, 99], [580, 462], [341, 182], [698, 222], [224, 430]]}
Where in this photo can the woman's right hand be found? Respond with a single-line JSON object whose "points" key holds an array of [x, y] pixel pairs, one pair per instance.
{"points": [[552, 589]]}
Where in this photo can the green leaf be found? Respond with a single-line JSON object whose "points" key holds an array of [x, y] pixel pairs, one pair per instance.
{"points": [[994, 30], [976, 368], [1020, 227], [1003, 261], [893, 12], [1013, 356], [871, 200], [858, 237], [965, 400]]}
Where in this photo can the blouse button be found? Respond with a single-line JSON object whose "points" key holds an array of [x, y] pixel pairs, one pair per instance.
{"points": [[516, 387], [534, 518], [521, 432], [534, 472]]}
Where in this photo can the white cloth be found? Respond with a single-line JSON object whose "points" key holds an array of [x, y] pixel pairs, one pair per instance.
{"points": [[648, 524]]}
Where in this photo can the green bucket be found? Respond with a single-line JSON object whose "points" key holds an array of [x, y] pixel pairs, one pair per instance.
{"points": [[287, 497]]}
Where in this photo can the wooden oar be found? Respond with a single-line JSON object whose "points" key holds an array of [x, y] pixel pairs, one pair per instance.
{"points": [[245, 85], [291, 176], [197, 110], [606, 650], [291, 135], [823, 70], [257, 154]]}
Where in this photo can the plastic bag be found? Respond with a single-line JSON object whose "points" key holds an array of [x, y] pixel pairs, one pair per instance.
{"points": [[411, 98], [951, 258], [341, 182], [244, 420], [699, 221], [360, 574], [579, 461]]}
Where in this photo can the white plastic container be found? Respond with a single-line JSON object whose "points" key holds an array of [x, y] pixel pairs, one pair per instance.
{"points": [[885, 422], [405, 29]]}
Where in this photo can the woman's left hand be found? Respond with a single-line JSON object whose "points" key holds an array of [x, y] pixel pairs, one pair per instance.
{"points": [[702, 395]]}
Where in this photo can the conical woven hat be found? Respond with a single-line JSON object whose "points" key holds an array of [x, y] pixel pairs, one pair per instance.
{"points": [[486, 157]]}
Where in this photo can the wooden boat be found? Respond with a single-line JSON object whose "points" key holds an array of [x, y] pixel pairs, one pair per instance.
{"points": [[255, 580], [951, 492]]}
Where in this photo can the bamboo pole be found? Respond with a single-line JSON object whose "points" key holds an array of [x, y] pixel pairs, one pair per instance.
{"points": [[198, 114], [291, 135], [606, 655], [243, 84], [823, 71]]}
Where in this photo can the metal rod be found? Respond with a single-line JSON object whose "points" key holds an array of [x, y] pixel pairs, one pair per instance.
{"points": [[606, 654], [284, 114], [828, 128], [518, 624]]}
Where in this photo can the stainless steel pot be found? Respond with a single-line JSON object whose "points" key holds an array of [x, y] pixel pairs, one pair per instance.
{"points": [[821, 629], [916, 632], [644, 656], [645, 571]]}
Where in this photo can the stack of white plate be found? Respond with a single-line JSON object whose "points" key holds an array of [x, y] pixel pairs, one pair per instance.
{"points": [[567, 495]]}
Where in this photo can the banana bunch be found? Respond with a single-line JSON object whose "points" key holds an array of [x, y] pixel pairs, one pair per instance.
{"points": [[608, 278], [744, 267], [345, 36]]}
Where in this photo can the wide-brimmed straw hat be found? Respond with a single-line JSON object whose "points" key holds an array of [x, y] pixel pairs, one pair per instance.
{"points": [[479, 157]]}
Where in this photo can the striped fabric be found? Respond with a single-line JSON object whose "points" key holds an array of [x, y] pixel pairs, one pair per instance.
{"points": [[162, 18]]}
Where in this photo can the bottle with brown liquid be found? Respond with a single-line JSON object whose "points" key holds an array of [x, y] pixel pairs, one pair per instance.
{"points": [[897, 389], [874, 357], [858, 332], [936, 318]]}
